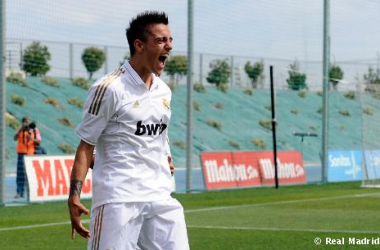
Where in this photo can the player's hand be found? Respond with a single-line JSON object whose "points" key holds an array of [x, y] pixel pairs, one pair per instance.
{"points": [[76, 209], [171, 165]]}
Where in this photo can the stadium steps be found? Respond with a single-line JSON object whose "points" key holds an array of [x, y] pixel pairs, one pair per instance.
{"points": [[239, 116]]}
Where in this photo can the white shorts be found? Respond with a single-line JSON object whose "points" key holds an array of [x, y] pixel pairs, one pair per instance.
{"points": [[158, 225]]}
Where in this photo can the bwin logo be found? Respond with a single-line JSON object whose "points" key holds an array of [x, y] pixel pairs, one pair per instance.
{"points": [[150, 128]]}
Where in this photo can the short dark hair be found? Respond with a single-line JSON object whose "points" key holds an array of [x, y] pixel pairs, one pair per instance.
{"points": [[139, 26], [24, 119]]}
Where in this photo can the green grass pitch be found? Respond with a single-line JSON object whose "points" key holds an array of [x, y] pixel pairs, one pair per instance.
{"points": [[289, 218]]}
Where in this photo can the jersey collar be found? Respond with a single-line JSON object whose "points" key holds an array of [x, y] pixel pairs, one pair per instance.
{"points": [[137, 79]]}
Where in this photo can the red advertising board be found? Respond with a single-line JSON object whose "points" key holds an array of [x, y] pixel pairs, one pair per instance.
{"points": [[49, 178], [229, 169], [290, 168], [247, 169]]}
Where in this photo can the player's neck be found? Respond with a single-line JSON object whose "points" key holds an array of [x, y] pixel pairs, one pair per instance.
{"points": [[145, 75]]}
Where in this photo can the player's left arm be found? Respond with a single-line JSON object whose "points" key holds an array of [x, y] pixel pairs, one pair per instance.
{"points": [[167, 141], [171, 164], [169, 155]]}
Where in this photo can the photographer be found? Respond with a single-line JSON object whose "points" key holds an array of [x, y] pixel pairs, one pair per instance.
{"points": [[38, 149], [27, 138]]}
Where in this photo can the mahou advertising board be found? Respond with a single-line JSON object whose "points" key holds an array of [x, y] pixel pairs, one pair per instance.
{"points": [[49, 178], [230, 170], [250, 169], [290, 167]]}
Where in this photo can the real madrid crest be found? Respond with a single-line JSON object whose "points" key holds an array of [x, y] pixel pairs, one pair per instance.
{"points": [[166, 104]]}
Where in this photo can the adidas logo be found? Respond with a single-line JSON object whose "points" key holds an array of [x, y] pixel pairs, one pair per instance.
{"points": [[136, 105]]}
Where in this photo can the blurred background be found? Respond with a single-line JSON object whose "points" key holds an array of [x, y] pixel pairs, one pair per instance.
{"points": [[48, 44]]}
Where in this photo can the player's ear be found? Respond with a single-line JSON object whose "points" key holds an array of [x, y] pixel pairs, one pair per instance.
{"points": [[139, 46]]}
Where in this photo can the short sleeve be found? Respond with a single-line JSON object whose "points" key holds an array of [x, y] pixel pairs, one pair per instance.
{"points": [[99, 108]]}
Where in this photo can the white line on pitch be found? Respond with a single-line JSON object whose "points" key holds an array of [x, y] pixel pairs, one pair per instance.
{"points": [[39, 225], [285, 229], [207, 209], [280, 202]]}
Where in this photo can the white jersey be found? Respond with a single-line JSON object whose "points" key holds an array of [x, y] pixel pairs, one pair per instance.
{"points": [[129, 126]]}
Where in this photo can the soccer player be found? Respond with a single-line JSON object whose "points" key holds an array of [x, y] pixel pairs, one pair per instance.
{"points": [[126, 116]]}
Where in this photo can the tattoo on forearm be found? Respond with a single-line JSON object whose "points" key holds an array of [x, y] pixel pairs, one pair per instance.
{"points": [[75, 188]]}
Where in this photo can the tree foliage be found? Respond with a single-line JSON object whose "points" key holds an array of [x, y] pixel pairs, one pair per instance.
{"points": [[176, 68], [335, 75], [220, 72], [372, 76], [296, 80], [125, 58], [93, 59], [35, 59], [254, 72]]}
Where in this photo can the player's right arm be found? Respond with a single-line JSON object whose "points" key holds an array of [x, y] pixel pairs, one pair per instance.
{"points": [[99, 108], [83, 161]]}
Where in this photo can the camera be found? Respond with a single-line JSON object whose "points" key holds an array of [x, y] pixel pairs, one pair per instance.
{"points": [[31, 125]]}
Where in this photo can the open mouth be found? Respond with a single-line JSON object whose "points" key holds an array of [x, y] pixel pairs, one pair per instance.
{"points": [[162, 60]]}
